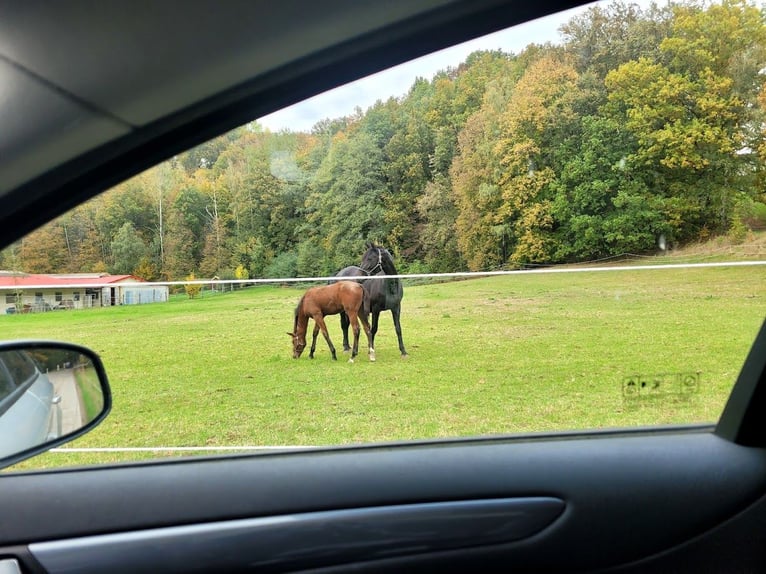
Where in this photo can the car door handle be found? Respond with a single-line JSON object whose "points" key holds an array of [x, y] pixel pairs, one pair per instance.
{"points": [[305, 540]]}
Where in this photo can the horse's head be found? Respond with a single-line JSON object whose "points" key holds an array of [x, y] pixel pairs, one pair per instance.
{"points": [[299, 331], [299, 343], [372, 259], [377, 260]]}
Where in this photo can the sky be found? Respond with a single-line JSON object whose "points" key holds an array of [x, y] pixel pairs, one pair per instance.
{"points": [[397, 81]]}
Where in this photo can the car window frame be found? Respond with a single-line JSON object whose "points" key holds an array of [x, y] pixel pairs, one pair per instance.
{"points": [[20, 387]]}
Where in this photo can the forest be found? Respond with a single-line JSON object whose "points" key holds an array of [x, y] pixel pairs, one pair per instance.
{"points": [[640, 124]]}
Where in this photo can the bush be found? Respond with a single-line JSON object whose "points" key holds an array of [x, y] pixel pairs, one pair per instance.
{"points": [[756, 219], [738, 231], [311, 260], [416, 266], [749, 214], [192, 290], [283, 265]]}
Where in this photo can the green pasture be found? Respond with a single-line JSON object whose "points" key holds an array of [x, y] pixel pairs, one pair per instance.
{"points": [[511, 354]]}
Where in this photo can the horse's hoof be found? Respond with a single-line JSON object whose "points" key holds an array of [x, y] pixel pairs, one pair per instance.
{"points": [[372, 358], [405, 356], [351, 360]]}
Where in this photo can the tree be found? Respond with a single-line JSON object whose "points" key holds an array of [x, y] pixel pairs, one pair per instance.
{"points": [[131, 202], [533, 127], [192, 289], [283, 265], [604, 37], [241, 272], [159, 184], [602, 208], [687, 131], [213, 255], [185, 236], [345, 206], [474, 181], [127, 250], [438, 210], [312, 261], [90, 249], [145, 270], [44, 250]]}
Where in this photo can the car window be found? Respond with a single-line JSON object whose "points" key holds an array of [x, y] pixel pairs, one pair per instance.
{"points": [[574, 209], [7, 384], [16, 371], [20, 368]]}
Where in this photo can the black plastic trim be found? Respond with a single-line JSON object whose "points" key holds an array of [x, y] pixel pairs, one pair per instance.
{"points": [[305, 540], [626, 497], [742, 420]]}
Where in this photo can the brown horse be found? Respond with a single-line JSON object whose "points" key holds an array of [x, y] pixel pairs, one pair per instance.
{"points": [[317, 302]]}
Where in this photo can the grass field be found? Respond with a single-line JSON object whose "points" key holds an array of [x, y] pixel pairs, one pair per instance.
{"points": [[487, 356]]}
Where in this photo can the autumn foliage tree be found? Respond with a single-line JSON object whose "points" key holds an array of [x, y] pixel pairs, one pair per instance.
{"points": [[641, 123]]}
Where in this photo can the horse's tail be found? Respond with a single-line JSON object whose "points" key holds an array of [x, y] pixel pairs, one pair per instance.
{"points": [[365, 301]]}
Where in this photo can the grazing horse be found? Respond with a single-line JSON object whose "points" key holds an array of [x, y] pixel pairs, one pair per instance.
{"points": [[342, 297], [382, 294]]}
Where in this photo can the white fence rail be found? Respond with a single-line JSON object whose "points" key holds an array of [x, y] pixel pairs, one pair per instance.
{"points": [[455, 275]]}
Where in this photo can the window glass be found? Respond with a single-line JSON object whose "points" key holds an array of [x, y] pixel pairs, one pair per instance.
{"points": [[576, 206], [19, 366], [7, 386]]}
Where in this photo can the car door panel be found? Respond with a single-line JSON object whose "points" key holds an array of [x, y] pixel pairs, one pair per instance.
{"points": [[296, 541], [627, 496]]}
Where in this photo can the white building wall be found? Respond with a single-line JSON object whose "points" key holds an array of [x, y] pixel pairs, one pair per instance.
{"points": [[45, 299]]}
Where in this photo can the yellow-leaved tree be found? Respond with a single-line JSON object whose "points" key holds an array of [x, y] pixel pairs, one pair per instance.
{"points": [[192, 289]]}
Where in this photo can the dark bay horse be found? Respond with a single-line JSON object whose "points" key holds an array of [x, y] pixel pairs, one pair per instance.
{"points": [[382, 294], [344, 297]]}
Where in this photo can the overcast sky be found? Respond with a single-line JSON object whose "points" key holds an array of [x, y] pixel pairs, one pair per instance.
{"points": [[398, 80]]}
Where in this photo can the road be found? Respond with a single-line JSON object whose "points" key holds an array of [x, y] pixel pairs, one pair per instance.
{"points": [[72, 411]]}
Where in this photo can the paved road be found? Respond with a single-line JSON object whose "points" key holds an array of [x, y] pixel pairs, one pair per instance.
{"points": [[72, 411]]}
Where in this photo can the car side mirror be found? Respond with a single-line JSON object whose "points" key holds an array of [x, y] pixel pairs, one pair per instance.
{"points": [[50, 393]]}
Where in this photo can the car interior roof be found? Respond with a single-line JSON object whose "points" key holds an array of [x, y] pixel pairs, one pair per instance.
{"points": [[96, 92]]}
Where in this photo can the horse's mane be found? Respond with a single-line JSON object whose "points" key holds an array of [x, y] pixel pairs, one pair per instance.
{"points": [[387, 260], [295, 313]]}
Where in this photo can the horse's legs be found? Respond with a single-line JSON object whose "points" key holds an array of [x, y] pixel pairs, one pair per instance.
{"points": [[352, 316], [319, 319], [344, 322], [314, 340], [366, 325], [398, 327], [374, 328]]}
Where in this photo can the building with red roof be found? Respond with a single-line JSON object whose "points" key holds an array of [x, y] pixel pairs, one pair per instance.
{"points": [[25, 292]]}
